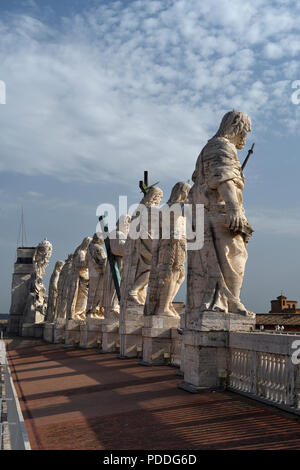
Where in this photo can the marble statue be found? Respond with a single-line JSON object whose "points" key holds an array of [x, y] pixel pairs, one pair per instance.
{"points": [[53, 291], [168, 258], [117, 243], [41, 257], [96, 262], [63, 287], [138, 254], [79, 283], [215, 272], [36, 302]]}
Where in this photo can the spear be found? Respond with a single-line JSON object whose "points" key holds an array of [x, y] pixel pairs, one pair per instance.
{"points": [[144, 185], [250, 151], [111, 257]]}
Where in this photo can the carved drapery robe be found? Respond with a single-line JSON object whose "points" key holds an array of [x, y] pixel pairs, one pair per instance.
{"points": [[96, 261], [167, 271], [215, 273], [53, 292]]}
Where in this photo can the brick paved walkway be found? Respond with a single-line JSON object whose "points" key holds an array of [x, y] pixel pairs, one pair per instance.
{"points": [[80, 399]]}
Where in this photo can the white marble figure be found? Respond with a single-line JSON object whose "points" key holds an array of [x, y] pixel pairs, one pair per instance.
{"points": [[53, 291], [36, 303], [79, 279], [96, 262], [117, 243], [63, 287], [138, 253], [215, 273], [41, 257], [168, 257]]}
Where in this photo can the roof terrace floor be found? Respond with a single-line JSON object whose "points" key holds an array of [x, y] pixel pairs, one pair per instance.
{"points": [[81, 399]]}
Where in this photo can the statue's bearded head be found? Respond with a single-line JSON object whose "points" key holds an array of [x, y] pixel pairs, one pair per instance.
{"points": [[179, 192], [235, 126], [153, 197]]}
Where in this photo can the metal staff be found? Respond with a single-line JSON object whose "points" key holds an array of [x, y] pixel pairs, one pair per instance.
{"points": [[250, 151], [144, 185], [111, 257]]}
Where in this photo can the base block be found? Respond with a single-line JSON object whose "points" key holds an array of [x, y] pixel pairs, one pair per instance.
{"points": [[110, 338], [159, 338], [206, 352], [32, 330], [49, 332], [59, 331], [131, 340], [91, 333], [72, 332]]}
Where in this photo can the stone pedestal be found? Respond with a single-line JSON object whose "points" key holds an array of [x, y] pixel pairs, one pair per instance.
{"points": [[59, 331], [32, 330], [110, 337], [91, 333], [48, 333], [72, 332], [159, 333], [206, 352], [131, 340]]}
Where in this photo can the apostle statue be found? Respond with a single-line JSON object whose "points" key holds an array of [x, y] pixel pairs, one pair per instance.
{"points": [[168, 256], [117, 243], [138, 250], [79, 283], [215, 272], [96, 262], [41, 257], [63, 287], [53, 291]]}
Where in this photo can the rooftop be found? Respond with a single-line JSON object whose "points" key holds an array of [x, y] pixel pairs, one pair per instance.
{"points": [[81, 399]]}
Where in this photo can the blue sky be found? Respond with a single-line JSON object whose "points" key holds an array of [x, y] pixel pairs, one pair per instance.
{"points": [[99, 91]]}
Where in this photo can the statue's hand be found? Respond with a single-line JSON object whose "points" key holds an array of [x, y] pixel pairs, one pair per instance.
{"points": [[235, 219]]}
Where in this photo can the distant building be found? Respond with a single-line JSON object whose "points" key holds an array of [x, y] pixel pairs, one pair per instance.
{"points": [[283, 312], [282, 305]]}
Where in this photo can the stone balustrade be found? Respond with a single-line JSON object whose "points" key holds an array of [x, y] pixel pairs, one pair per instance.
{"points": [[262, 365]]}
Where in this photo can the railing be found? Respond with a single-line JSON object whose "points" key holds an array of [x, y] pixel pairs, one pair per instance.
{"points": [[13, 420], [261, 366]]}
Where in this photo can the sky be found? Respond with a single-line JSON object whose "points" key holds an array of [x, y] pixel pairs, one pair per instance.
{"points": [[99, 91]]}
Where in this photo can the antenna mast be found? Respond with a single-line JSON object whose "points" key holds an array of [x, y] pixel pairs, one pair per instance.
{"points": [[22, 232]]}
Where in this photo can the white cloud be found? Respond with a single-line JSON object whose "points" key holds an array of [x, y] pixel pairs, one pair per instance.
{"points": [[125, 85]]}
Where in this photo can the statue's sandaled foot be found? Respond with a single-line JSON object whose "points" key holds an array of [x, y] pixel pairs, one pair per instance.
{"points": [[80, 317], [241, 310]]}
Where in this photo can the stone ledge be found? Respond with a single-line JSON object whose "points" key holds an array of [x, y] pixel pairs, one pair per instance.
{"points": [[110, 327], [219, 321], [206, 338], [156, 333], [161, 321], [131, 329], [73, 325], [93, 324], [263, 342]]}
